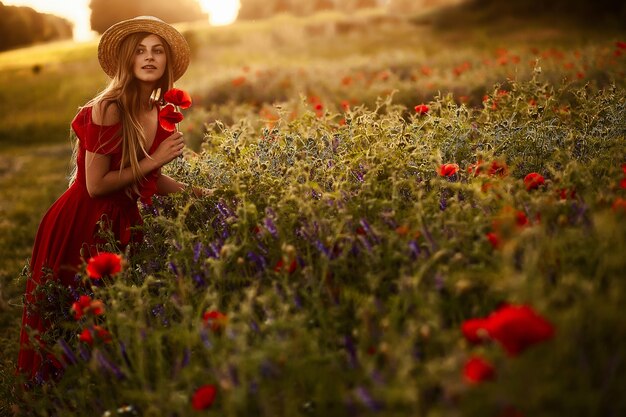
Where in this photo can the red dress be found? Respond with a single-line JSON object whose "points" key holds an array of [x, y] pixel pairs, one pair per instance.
{"points": [[68, 233]]}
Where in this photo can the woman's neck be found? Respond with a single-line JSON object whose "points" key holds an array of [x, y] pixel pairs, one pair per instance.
{"points": [[145, 91]]}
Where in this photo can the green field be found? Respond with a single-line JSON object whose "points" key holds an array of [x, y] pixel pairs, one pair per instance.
{"points": [[344, 263]]}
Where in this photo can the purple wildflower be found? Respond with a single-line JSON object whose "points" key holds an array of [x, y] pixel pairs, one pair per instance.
{"points": [[125, 355], [297, 301], [109, 365], [366, 399], [205, 338], [414, 249], [351, 349], [320, 246], [68, 352], [270, 226], [85, 353], [198, 279], [368, 230], [197, 249], [258, 260]]}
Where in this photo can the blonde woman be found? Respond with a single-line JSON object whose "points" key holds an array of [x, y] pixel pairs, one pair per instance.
{"points": [[119, 153]]}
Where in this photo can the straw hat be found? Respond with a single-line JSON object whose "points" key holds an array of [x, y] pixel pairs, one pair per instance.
{"points": [[110, 42]]}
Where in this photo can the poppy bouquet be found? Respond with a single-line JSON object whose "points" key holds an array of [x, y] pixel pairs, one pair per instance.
{"points": [[170, 115]]}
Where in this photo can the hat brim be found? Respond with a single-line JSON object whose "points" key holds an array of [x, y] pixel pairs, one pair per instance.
{"points": [[108, 48]]}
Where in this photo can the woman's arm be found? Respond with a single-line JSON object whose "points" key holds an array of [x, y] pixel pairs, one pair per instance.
{"points": [[168, 185], [101, 180]]}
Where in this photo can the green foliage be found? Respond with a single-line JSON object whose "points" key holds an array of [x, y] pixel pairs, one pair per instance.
{"points": [[345, 265]]}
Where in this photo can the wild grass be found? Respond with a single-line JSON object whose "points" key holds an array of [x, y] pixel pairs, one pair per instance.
{"points": [[344, 263]]}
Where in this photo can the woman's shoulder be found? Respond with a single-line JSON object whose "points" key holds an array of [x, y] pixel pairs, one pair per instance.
{"points": [[105, 113], [97, 128]]}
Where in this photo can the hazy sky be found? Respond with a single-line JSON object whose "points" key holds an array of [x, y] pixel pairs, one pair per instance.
{"points": [[221, 12]]}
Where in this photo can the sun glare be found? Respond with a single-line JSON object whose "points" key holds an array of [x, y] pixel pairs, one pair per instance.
{"points": [[221, 12]]}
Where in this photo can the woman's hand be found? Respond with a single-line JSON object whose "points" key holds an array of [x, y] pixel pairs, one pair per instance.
{"points": [[172, 147]]}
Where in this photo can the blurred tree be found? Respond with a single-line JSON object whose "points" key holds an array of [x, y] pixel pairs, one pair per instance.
{"points": [[105, 13], [576, 7], [22, 26], [457, 13]]}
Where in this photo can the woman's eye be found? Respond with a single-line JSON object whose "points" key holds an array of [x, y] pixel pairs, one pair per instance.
{"points": [[139, 51], [158, 51]]}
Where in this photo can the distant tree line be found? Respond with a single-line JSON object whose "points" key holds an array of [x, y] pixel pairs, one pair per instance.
{"points": [[583, 8], [104, 13], [22, 26], [261, 9]]}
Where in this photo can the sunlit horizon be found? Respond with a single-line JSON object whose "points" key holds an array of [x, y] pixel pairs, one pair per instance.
{"points": [[221, 12]]}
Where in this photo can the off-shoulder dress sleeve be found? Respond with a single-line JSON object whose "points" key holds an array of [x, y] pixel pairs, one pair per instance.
{"points": [[95, 138]]}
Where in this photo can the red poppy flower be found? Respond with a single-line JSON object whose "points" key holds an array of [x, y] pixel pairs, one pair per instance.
{"points": [[498, 168], [477, 370], [86, 305], [474, 330], [241, 80], [475, 169], [533, 180], [178, 98], [622, 183], [280, 266], [494, 239], [517, 328], [402, 230], [104, 264], [215, 320], [203, 397], [421, 109], [87, 335], [619, 205], [620, 44], [448, 170], [80, 306], [565, 193], [521, 219], [624, 168], [168, 117]]}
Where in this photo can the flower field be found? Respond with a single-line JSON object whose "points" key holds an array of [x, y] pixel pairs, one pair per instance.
{"points": [[426, 235]]}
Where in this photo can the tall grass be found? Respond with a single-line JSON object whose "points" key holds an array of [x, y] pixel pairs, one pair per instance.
{"points": [[343, 262]]}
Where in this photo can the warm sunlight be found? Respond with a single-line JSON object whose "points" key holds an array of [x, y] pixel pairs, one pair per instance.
{"points": [[221, 12]]}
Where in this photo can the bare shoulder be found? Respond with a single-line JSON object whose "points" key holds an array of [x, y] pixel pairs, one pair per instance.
{"points": [[105, 113]]}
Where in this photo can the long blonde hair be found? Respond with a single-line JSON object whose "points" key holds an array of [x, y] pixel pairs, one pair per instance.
{"points": [[123, 92]]}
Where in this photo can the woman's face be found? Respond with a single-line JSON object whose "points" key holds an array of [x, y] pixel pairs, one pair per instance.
{"points": [[150, 60]]}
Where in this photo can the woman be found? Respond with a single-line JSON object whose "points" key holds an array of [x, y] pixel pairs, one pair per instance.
{"points": [[119, 152]]}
